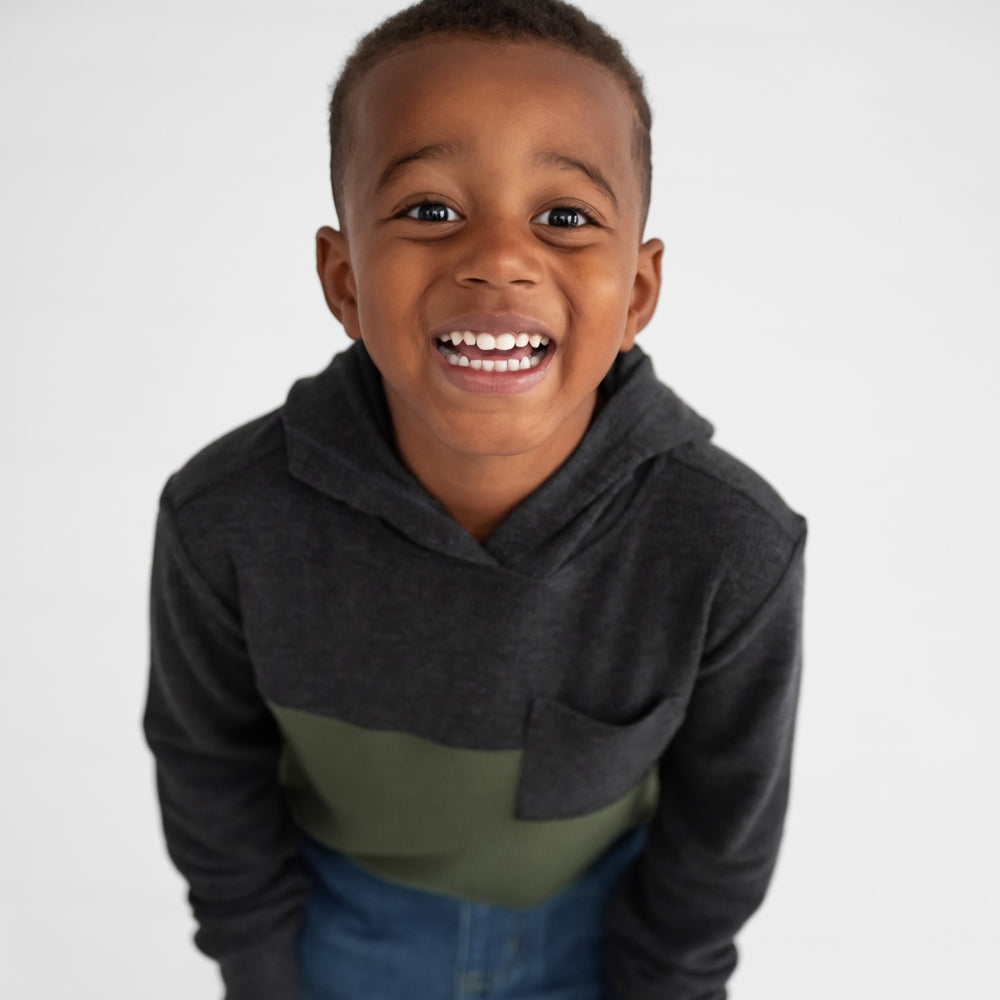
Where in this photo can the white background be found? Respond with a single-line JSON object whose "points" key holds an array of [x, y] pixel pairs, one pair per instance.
{"points": [[826, 185]]}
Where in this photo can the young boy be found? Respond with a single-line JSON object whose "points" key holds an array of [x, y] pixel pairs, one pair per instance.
{"points": [[475, 664]]}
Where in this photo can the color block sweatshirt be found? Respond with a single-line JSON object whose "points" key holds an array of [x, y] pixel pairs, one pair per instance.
{"points": [[332, 653]]}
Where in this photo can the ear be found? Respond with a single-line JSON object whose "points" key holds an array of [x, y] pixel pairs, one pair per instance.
{"points": [[645, 291], [333, 265]]}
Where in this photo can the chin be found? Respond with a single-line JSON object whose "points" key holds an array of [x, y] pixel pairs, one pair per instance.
{"points": [[500, 442]]}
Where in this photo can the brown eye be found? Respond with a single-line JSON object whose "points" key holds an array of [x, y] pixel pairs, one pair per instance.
{"points": [[562, 218], [429, 211]]}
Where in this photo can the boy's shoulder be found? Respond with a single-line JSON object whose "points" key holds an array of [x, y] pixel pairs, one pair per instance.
{"points": [[232, 461], [721, 487], [247, 467], [692, 484]]}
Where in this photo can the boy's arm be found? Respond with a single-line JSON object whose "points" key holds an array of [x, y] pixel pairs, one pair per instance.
{"points": [[724, 789], [217, 750]]}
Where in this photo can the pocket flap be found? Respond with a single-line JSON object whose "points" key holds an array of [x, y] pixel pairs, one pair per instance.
{"points": [[574, 764]]}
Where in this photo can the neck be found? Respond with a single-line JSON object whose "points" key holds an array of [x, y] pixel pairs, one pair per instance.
{"points": [[479, 490], [480, 496]]}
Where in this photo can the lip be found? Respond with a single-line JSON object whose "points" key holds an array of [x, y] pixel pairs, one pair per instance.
{"points": [[471, 380], [488, 322]]}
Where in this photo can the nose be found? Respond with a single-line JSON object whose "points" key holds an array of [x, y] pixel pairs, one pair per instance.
{"points": [[497, 254]]}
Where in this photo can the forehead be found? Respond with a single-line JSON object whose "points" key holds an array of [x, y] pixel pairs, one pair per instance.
{"points": [[481, 95]]}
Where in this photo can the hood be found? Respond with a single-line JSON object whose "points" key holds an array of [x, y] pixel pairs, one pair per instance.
{"points": [[339, 441]]}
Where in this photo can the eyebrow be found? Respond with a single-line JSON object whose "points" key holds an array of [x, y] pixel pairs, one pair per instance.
{"points": [[447, 150], [433, 151], [571, 163]]}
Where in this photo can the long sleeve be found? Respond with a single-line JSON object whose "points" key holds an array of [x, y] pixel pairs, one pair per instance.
{"points": [[724, 790], [217, 750]]}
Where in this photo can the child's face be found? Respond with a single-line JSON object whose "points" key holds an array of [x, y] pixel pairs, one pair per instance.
{"points": [[490, 189]]}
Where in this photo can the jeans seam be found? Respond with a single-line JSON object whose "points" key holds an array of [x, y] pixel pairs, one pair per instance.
{"points": [[462, 952]]}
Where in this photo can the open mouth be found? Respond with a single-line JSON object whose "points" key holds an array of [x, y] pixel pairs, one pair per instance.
{"points": [[500, 352]]}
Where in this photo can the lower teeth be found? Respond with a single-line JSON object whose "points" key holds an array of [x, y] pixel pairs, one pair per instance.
{"points": [[491, 365]]}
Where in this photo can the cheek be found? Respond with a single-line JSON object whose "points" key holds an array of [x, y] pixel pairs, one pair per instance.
{"points": [[389, 291], [602, 289]]}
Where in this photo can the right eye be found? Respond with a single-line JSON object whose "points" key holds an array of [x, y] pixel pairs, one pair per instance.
{"points": [[432, 211]]}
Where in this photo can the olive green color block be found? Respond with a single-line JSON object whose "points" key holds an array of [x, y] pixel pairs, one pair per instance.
{"points": [[439, 818]]}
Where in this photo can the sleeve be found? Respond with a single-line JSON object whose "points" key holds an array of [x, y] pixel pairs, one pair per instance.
{"points": [[217, 749], [714, 838]]}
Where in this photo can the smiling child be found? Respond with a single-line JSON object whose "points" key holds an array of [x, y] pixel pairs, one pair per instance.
{"points": [[474, 666]]}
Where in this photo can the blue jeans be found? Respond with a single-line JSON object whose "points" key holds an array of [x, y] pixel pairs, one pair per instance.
{"points": [[368, 939]]}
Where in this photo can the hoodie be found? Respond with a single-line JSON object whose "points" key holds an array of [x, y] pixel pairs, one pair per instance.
{"points": [[332, 653]]}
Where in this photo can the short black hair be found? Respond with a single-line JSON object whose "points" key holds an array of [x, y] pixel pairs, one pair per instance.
{"points": [[498, 20]]}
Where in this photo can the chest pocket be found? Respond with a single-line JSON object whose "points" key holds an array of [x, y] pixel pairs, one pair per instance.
{"points": [[574, 765]]}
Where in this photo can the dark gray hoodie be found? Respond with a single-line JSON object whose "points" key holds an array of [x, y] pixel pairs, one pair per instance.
{"points": [[332, 652]]}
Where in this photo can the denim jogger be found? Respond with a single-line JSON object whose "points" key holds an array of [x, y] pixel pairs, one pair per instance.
{"points": [[368, 939]]}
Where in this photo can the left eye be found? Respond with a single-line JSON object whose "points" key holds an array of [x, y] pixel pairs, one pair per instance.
{"points": [[562, 218], [432, 211]]}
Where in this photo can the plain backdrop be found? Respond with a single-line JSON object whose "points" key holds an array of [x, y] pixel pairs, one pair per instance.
{"points": [[826, 185]]}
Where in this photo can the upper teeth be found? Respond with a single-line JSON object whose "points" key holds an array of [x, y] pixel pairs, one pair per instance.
{"points": [[497, 342]]}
